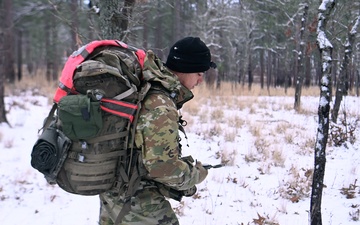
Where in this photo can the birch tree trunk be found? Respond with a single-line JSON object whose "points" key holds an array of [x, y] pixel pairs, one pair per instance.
{"points": [[325, 48], [342, 84]]}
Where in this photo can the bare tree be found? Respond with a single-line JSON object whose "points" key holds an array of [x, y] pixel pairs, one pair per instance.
{"points": [[342, 84], [300, 64], [74, 24], [2, 74], [9, 60], [325, 48], [19, 53]]}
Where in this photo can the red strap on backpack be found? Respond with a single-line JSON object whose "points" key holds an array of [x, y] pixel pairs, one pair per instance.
{"points": [[119, 108], [66, 84]]}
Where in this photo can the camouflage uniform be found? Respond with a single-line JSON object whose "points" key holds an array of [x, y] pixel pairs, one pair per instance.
{"points": [[157, 136]]}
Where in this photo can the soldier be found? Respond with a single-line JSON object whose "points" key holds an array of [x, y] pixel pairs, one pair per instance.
{"points": [[157, 135]]}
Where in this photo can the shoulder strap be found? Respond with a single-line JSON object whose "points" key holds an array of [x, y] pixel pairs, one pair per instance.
{"points": [[49, 118], [136, 174]]}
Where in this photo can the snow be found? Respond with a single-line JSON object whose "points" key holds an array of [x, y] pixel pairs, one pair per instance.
{"points": [[323, 41], [268, 147], [324, 4]]}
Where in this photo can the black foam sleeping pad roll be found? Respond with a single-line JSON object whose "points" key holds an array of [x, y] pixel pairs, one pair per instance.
{"points": [[50, 152]]}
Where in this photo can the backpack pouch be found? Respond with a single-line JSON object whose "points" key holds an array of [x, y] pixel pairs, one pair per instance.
{"points": [[111, 85], [80, 117]]}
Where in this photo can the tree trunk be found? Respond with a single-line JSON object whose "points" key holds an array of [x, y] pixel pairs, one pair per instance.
{"points": [[250, 74], [9, 69], [357, 72], [48, 59], [114, 18], [249, 54], [29, 63], [300, 70], [176, 34], [19, 55], [262, 68], [307, 82], [274, 68], [54, 49], [342, 84], [146, 29], [2, 74], [159, 30], [325, 49], [269, 69], [126, 16], [75, 42]]}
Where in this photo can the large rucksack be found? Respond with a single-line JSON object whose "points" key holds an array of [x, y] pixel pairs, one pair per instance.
{"points": [[87, 146]]}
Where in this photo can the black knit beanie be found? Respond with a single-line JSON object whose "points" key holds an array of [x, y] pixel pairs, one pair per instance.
{"points": [[189, 55]]}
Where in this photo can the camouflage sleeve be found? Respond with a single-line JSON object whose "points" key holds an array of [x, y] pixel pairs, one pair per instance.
{"points": [[158, 137]]}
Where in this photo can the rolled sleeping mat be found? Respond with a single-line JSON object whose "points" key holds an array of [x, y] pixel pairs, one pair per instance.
{"points": [[49, 153]]}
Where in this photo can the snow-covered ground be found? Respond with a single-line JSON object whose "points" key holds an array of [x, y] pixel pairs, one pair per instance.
{"points": [[268, 148]]}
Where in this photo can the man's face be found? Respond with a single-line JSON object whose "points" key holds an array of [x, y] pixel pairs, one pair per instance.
{"points": [[190, 80]]}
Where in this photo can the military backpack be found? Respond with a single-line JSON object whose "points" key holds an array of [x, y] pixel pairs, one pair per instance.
{"points": [[86, 146]]}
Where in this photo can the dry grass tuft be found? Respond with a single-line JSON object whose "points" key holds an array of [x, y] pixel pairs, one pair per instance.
{"points": [[255, 130], [230, 136], [309, 145], [214, 131], [235, 121], [228, 156], [217, 115], [289, 138], [298, 185], [282, 127]]}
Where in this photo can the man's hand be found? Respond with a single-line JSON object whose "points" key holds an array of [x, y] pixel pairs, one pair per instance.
{"points": [[202, 171]]}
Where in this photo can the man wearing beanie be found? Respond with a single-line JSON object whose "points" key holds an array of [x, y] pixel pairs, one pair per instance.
{"points": [[168, 173]]}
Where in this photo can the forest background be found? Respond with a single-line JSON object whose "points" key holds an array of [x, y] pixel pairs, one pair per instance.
{"points": [[265, 42], [288, 44]]}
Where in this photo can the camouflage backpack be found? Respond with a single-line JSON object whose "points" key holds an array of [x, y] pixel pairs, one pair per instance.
{"points": [[87, 146]]}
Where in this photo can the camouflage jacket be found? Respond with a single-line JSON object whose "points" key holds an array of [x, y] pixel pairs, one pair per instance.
{"points": [[157, 132]]}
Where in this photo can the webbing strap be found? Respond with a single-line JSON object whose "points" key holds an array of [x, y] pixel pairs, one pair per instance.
{"points": [[88, 178], [127, 93], [119, 108], [124, 210], [142, 95], [117, 113], [90, 169], [92, 187], [98, 157], [133, 186], [122, 173], [49, 118], [92, 68], [135, 178], [126, 108], [107, 137]]}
